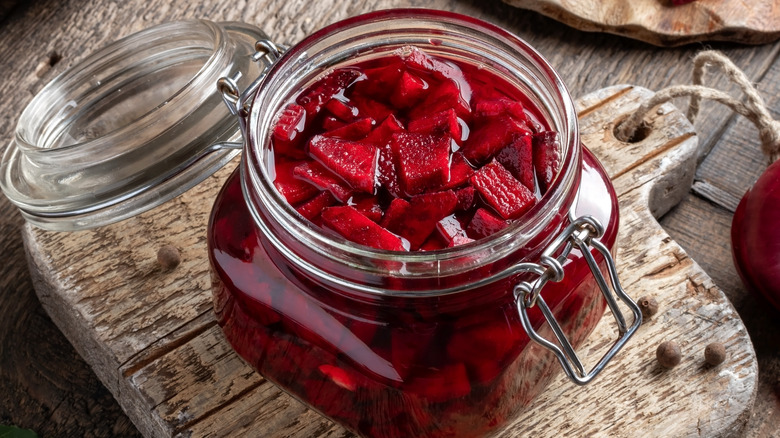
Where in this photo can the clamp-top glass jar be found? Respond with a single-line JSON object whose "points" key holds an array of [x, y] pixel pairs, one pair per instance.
{"points": [[398, 344]]}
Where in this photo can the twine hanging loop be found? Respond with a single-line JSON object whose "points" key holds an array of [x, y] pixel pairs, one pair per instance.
{"points": [[753, 107]]}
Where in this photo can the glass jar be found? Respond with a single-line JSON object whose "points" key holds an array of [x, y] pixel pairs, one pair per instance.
{"points": [[399, 344], [453, 342]]}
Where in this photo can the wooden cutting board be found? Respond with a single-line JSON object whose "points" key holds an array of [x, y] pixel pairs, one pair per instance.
{"points": [[151, 337], [661, 23]]}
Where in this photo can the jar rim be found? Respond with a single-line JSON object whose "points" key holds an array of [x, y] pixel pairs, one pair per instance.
{"points": [[266, 203], [106, 139]]}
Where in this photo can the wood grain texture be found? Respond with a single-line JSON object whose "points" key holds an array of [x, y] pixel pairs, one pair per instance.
{"points": [[660, 22], [150, 337], [73, 28]]}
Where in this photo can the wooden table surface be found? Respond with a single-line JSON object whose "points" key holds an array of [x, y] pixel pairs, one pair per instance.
{"points": [[44, 383]]}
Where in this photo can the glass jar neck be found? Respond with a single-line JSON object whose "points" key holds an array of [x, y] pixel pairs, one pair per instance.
{"points": [[348, 266]]}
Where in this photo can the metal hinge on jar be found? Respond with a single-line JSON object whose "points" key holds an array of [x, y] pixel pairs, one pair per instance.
{"points": [[267, 52], [582, 233]]}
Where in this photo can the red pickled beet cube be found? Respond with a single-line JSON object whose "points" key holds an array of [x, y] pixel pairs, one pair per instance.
{"points": [[433, 243], [354, 162], [379, 82], [483, 345], [338, 376], [353, 131], [371, 108], [508, 196], [387, 175], [382, 134], [518, 159], [447, 95], [395, 213], [547, 157], [314, 98], [369, 207], [441, 123], [288, 132], [408, 91], [330, 123], [293, 189], [460, 171], [441, 69], [484, 223], [452, 231], [422, 215], [291, 123], [341, 110], [424, 161], [491, 136], [498, 107], [351, 224], [313, 207], [317, 175], [448, 383], [408, 345], [466, 197]]}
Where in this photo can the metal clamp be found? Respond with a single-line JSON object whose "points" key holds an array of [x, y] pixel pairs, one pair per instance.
{"points": [[583, 233], [267, 52]]}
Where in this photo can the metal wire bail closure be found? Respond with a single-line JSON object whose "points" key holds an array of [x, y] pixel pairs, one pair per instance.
{"points": [[266, 52], [583, 233]]}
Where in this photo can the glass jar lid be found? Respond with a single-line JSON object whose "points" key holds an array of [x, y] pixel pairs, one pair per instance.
{"points": [[133, 125]]}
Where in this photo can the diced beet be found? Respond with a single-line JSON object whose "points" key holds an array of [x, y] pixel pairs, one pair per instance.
{"points": [[434, 242], [369, 207], [408, 345], [288, 132], [354, 226], [409, 90], [498, 107], [320, 177], [423, 161], [293, 189], [354, 162], [314, 98], [395, 213], [422, 215], [447, 95], [448, 383], [313, 207], [330, 123], [371, 108], [466, 197], [341, 110], [460, 171], [508, 196], [441, 123], [353, 131], [452, 231], [483, 346], [291, 123], [483, 224], [491, 136], [441, 69], [338, 376], [387, 175], [382, 134], [518, 159], [379, 82], [547, 157]]}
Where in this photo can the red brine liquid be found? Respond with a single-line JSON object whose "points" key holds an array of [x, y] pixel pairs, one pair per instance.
{"points": [[404, 153]]}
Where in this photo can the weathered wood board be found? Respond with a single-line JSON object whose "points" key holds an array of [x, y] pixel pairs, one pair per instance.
{"points": [[151, 338], [661, 23]]}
